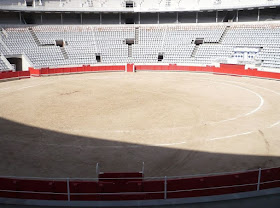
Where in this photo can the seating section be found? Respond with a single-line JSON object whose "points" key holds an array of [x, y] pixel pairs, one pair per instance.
{"points": [[176, 43], [4, 64]]}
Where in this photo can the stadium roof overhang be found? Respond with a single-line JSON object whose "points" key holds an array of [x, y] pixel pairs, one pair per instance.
{"points": [[124, 10]]}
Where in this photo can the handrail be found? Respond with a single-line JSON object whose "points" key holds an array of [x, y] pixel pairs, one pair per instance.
{"points": [[145, 178], [147, 192]]}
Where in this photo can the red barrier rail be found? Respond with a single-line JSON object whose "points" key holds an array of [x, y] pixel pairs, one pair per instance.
{"points": [[139, 188], [12, 75], [230, 69], [79, 69]]}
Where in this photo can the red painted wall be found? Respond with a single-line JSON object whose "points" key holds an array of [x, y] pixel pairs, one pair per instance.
{"points": [[230, 69], [142, 189], [10, 74], [84, 68], [130, 68]]}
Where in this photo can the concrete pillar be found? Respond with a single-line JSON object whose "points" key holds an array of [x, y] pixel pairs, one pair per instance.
{"points": [[217, 16]]}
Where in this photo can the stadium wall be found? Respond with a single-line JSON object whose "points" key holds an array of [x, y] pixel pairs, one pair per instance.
{"points": [[226, 69], [7, 75], [134, 190]]}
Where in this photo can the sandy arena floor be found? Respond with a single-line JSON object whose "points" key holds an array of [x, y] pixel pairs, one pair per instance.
{"points": [[177, 123]]}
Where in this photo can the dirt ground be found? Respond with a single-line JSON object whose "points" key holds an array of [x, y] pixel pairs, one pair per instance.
{"points": [[178, 123]]}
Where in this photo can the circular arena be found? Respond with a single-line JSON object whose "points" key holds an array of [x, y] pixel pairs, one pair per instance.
{"points": [[177, 123], [139, 103]]}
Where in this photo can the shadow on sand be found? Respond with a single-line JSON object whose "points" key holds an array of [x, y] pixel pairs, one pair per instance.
{"points": [[37, 152]]}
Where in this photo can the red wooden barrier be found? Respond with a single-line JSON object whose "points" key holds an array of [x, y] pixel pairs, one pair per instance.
{"points": [[230, 69], [140, 190], [130, 68], [11, 74], [84, 68]]}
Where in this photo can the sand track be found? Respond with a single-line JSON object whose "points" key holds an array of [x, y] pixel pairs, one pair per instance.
{"points": [[177, 123]]}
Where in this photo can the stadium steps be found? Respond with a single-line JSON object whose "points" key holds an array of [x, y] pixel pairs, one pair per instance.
{"points": [[129, 50], [6, 62], [136, 35], [194, 51], [90, 3], [224, 34], [2, 44], [36, 39], [167, 3], [3, 31], [64, 53]]}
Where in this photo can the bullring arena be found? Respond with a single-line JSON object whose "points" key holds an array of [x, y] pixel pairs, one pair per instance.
{"points": [[178, 123], [139, 103]]}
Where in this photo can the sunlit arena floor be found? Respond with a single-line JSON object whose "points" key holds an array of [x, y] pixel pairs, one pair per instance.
{"points": [[177, 123]]}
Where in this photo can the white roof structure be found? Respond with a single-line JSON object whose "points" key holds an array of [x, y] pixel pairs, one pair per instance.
{"points": [[139, 5]]}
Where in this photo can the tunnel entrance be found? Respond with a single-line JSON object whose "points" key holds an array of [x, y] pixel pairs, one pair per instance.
{"points": [[16, 63]]}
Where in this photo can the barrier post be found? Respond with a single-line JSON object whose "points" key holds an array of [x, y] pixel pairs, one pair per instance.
{"points": [[143, 168], [165, 187], [68, 189], [259, 179], [97, 170]]}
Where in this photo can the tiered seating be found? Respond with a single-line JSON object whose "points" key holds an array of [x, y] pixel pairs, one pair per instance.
{"points": [[265, 36], [214, 51], [175, 42], [4, 64], [111, 43]]}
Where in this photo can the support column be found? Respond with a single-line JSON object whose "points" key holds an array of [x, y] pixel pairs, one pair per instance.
{"points": [[177, 17], [34, 3], [120, 18], [259, 11], [158, 18], [97, 169], [100, 18], [217, 16], [20, 18], [237, 17], [196, 18]]}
